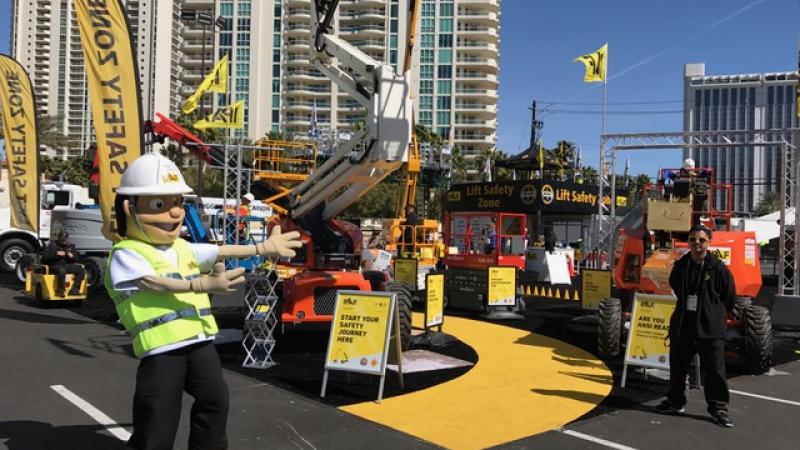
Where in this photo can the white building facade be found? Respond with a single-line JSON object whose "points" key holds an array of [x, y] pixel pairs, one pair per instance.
{"points": [[740, 102], [454, 69]]}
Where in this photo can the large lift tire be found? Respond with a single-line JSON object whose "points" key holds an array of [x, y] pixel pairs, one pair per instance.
{"points": [[11, 251], [757, 339], [403, 295], [609, 327], [95, 271]]}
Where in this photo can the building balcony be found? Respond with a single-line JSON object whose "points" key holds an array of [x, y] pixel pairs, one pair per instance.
{"points": [[475, 138], [297, 14], [476, 77], [476, 47], [472, 123], [477, 32], [363, 15], [487, 5], [309, 91], [477, 109], [477, 93], [306, 106], [297, 30], [477, 62], [297, 44], [303, 74], [297, 3], [368, 44], [347, 5], [298, 61], [477, 16], [362, 31]]}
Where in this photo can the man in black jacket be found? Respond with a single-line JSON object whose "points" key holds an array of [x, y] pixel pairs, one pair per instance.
{"points": [[60, 255], [706, 294]]}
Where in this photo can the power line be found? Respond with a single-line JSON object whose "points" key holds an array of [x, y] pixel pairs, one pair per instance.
{"points": [[652, 102], [614, 113]]}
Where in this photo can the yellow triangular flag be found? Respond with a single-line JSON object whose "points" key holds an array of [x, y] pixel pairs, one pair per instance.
{"points": [[596, 64], [231, 116], [576, 298], [536, 291], [549, 293], [528, 290], [558, 293], [215, 81]]}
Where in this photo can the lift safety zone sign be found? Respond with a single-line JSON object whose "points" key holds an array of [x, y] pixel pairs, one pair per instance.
{"points": [[359, 340]]}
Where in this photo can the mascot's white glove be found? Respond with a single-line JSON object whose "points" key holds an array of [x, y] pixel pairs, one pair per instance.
{"points": [[279, 244], [219, 280]]}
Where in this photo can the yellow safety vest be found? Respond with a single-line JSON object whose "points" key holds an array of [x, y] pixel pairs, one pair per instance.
{"points": [[155, 320]]}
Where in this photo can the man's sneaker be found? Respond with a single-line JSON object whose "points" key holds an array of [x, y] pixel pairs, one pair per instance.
{"points": [[666, 407], [721, 418]]}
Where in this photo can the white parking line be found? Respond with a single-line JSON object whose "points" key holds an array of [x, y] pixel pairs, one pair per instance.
{"points": [[764, 397], [596, 440], [112, 427]]}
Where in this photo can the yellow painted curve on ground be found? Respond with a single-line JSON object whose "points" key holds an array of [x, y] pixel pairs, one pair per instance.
{"points": [[523, 384]]}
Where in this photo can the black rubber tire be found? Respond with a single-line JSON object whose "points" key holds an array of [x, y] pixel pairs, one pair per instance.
{"points": [[403, 295], [609, 327], [11, 251], [95, 271], [741, 304], [23, 264], [757, 339]]}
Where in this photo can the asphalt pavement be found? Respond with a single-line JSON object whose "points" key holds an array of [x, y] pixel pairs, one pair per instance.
{"points": [[67, 379]]}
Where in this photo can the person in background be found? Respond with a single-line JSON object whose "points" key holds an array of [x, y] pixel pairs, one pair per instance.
{"points": [[706, 295], [60, 256]]}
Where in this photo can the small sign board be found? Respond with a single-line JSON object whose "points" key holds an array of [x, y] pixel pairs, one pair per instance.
{"points": [[502, 283], [647, 337], [434, 300], [360, 334], [405, 271], [595, 286]]}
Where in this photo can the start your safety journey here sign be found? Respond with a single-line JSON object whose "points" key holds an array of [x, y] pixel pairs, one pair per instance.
{"points": [[647, 338], [360, 335]]}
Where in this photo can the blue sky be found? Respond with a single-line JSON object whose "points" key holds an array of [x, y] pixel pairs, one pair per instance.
{"points": [[649, 42]]}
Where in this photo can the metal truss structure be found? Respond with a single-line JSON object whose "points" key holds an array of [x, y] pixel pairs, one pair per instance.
{"points": [[610, 144]]}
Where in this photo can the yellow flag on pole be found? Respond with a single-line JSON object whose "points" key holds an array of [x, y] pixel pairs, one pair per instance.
{"points": [[17, 107], [231, 116], [215, 81], [596, 64]]}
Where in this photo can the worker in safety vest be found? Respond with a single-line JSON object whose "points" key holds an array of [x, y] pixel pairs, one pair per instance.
{"points": [[160, 284]]}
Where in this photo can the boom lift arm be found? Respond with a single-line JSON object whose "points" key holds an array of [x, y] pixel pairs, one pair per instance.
{"points": [[374, 153]]}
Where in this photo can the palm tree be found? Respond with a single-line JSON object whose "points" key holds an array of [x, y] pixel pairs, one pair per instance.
{"points": [[49, 130], [770, 202], [590, 175], [640, 180], [459, 166]]}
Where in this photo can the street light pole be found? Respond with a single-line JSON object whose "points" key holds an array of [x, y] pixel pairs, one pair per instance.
{"points": [[203, 18]]}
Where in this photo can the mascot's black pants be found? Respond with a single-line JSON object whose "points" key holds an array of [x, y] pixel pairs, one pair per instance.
{"points": [[160, 382]]}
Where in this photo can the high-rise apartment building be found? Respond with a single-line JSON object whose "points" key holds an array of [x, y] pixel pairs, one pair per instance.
{"points": [[740, 102], [45, 39], [454, 68]]}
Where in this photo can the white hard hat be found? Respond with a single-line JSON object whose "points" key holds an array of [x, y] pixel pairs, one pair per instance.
{"points": [[153, 174], [250, 197], [688, 164]]}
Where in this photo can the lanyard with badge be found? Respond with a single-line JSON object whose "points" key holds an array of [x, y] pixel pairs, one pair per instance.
{"points": [[691, 299]]}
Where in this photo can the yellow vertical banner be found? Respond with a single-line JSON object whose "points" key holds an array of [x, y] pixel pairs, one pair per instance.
{"points": [[405, 271], [595, 286], [113, 82], [502, 283], [434, 304], [22, 144]]}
